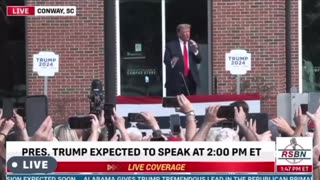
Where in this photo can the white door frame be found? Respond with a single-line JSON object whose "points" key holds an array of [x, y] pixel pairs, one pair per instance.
{"points": [[118, 63], [300, 45], [163, 33]]}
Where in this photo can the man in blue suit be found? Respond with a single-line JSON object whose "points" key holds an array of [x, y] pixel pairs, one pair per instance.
{"points": [[181, 58]]}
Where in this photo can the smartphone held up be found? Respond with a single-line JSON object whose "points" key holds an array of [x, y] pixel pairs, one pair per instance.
{"points": [[135, 117], [80, 122], [175, 124], [7, 108], [226, 112], [304, 108], [170, 102], [36, 109]]}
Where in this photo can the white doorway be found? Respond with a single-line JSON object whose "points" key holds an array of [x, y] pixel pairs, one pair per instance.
{"points": [[143, 27]]}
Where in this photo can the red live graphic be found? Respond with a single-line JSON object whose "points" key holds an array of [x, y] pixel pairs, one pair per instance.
{"points": [[20, 10]]}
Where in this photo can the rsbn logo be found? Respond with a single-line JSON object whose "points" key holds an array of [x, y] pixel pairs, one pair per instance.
{"points": [[294, 153]]}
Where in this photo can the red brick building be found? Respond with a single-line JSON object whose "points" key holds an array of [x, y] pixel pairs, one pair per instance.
{"points": [[257, 26]]}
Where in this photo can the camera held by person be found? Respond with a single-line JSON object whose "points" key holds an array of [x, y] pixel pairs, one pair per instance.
{"points": [[96, 97]]}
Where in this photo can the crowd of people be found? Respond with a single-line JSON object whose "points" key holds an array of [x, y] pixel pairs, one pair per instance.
{"points": [[14, 129]]}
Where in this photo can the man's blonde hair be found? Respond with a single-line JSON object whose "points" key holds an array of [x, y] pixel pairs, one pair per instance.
{"points": [[183, 26]]}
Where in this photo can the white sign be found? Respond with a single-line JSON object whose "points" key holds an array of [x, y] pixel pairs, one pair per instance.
{"points": [[46, 63], [294, 151], [238, 62]]}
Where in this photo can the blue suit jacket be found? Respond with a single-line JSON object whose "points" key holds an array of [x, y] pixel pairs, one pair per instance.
{"points": [[173, 77]]}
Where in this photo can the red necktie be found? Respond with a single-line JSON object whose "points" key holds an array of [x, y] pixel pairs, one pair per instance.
{"points": [[186, 59]]}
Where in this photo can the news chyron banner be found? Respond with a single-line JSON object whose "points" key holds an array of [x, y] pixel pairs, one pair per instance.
{"points": [[144, 161], [41, 10]]}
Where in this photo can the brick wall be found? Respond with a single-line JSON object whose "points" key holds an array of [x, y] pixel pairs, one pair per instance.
{"points": [[258, 27], [80, 43], [295, 42]]}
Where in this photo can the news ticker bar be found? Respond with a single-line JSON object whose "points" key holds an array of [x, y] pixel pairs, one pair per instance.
{"points": [[157, 177], [41, 10]]}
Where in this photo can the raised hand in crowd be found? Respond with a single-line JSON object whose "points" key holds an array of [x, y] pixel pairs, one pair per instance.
{"points": [[45, 131], [315, 116], [301, 122], [102, 120], [150, 121], [211, 116], [252, 124], [283, 126], [5, 128], [22, 134], [117, 120], [104, 130], [20, 127], [115, 137], [210, 119], [182, 135], [316, 120], [240, 118], [266, 136], [191, 122], [95, 128], [185, 105], [119, 123]]}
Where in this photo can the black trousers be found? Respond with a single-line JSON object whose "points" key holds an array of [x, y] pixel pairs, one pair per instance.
{"points": [[191, 85]]}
